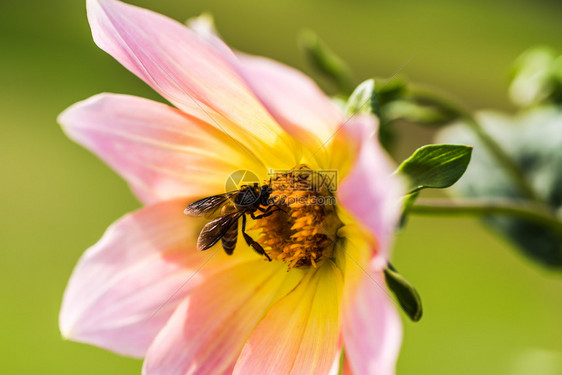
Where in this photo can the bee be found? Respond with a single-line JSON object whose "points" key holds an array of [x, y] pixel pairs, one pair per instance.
{"points": [[230, 207]]}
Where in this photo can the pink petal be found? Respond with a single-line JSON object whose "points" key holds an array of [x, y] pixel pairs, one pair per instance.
{"points": [[127, 285], [370, 192], [203, 25], [300, 334], [372, 331], [293, 99], [161, 152], [191, 73], [207, 332]]}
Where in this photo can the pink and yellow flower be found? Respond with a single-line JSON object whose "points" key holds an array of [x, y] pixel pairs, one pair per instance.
{"points": [[145, 291]]}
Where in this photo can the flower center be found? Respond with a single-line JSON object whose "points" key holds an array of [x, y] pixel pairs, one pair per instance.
{"points": [[302, 230]]}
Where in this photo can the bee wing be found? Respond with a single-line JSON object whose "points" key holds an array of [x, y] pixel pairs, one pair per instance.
{"points": [[209, 206], [214, 230]]}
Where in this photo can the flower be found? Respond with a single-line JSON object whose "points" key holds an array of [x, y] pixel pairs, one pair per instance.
{"points": [[144, 290]]}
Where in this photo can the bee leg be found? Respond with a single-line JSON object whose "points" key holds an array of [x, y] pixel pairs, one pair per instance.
{"points": [[250, 241], [266, 213], [274, 203]]}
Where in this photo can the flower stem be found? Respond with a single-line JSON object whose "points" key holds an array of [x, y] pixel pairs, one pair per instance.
{"points": [[490, 143], [528, 211], [504, 160]]}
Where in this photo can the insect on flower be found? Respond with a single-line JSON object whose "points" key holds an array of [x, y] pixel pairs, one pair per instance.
{"points": [[144, 289], [232, 206]]}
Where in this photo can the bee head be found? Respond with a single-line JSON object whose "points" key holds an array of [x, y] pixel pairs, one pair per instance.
{"points": [[265, 191]]}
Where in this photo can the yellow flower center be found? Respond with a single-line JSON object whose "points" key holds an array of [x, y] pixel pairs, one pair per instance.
{"points": [[302, 231]]}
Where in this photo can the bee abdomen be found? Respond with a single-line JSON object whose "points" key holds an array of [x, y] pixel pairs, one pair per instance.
{"points": [[229, 239]]}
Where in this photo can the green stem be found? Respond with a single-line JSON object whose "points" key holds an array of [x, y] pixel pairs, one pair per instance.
{"points": [[531, 212], [490, 143]]}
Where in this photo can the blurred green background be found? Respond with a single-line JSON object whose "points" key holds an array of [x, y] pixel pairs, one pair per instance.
{"points": [[488, 310]]}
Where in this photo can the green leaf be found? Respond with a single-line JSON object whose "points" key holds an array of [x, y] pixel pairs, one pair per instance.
{"points": [[533, 139], [390, 91], [326, 61], [436, 166], [407, 296], [419, 113], [537, 77], [394, 89], [363, 99], [408, 202]]}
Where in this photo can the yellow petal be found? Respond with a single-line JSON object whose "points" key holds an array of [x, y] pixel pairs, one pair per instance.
{"points": [[300, 334]]}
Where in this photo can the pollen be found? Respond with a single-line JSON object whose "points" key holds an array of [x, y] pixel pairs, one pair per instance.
{"points": [[302, 230]]}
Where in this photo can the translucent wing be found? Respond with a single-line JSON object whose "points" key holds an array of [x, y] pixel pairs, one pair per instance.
{"points": [[214, 230], [210, 206]]}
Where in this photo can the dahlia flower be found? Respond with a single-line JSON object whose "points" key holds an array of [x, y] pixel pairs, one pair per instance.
{"points": [[144, 290]]}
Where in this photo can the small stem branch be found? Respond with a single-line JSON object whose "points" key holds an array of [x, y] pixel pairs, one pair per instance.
{"points": [[490, 143], [528, 211], [504, 160]]}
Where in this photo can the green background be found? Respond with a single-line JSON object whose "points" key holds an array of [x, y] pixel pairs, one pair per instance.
{"points": [[488, 310]]}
